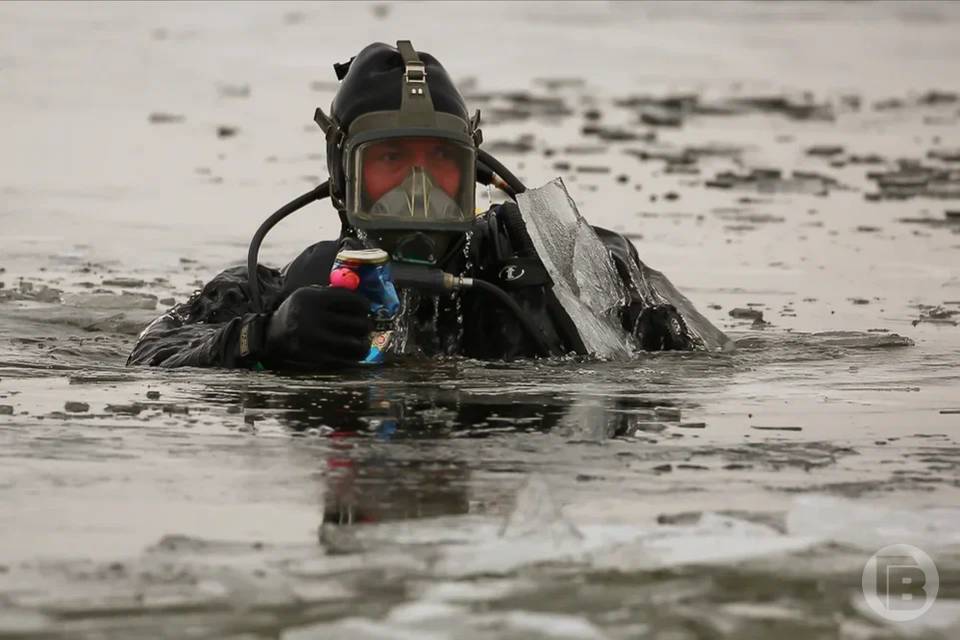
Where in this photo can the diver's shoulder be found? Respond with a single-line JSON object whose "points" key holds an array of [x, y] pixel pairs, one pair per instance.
{"points": [[499, 215], [619, 246]]}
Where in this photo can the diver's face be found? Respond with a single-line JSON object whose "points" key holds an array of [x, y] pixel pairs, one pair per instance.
{"points": [[386, 165]]}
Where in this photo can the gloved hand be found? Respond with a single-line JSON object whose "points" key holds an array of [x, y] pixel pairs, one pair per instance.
{"points": [[318, 327], [661, 328]]}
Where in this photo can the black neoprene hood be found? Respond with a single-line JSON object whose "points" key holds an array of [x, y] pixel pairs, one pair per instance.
{"points": [[374, 82]]}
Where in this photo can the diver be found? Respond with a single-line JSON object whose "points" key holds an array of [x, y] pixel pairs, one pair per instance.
{"points": [[404, 156]]}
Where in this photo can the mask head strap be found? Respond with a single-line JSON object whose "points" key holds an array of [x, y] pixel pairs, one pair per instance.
{"points": [[416, 105]]}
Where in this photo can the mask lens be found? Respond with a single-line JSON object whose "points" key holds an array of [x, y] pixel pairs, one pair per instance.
{"points": [[386, 164], [412, 181]]}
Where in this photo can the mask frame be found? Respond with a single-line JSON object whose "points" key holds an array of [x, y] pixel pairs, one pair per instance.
{"points": [[356, 205]]}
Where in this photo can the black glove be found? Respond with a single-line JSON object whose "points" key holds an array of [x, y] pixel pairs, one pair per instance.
{"points": [[317, 327], [661, 328]]}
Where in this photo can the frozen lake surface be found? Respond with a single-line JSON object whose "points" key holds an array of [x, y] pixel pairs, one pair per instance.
{"points": [[793, 168]]}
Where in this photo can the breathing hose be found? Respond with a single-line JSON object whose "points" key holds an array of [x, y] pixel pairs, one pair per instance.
{"points": [[493, 164], [487, 176], [522, 318], [253, 253]]}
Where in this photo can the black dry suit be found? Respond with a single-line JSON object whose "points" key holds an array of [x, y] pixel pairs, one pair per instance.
{"points": [[204, 331]]}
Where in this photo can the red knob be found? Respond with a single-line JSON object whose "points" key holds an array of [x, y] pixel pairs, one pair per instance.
{"points": [[344, 278]]}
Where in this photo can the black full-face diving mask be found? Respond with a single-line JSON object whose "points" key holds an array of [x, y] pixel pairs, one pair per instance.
{"points": [[408, 174]]}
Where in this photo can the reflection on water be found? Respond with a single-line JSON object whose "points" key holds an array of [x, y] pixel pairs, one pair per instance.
{"points": [[365, 481]]}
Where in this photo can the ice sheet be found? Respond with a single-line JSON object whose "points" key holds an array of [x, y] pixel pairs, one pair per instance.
{"points": [[585, 278]]}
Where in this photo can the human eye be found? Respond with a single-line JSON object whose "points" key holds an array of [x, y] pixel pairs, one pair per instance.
{"points": [[442, 153], [385, 153], [389, 155]]}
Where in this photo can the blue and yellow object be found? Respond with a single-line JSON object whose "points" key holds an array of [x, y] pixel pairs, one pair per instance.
{"points": [[367, 271]]}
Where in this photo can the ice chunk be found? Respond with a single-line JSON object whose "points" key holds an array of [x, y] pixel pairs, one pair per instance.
{"points": [[585, 279], [475, 590], [433, 621], [536, 514], [871, 527], [715, 539], [536, 531], [530, 624], [23, 622], [362, 629], [942, 620], [423, 611], [126, 300]]}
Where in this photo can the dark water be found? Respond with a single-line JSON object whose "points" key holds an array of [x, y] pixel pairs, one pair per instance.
{"points": [[467, 499]]}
